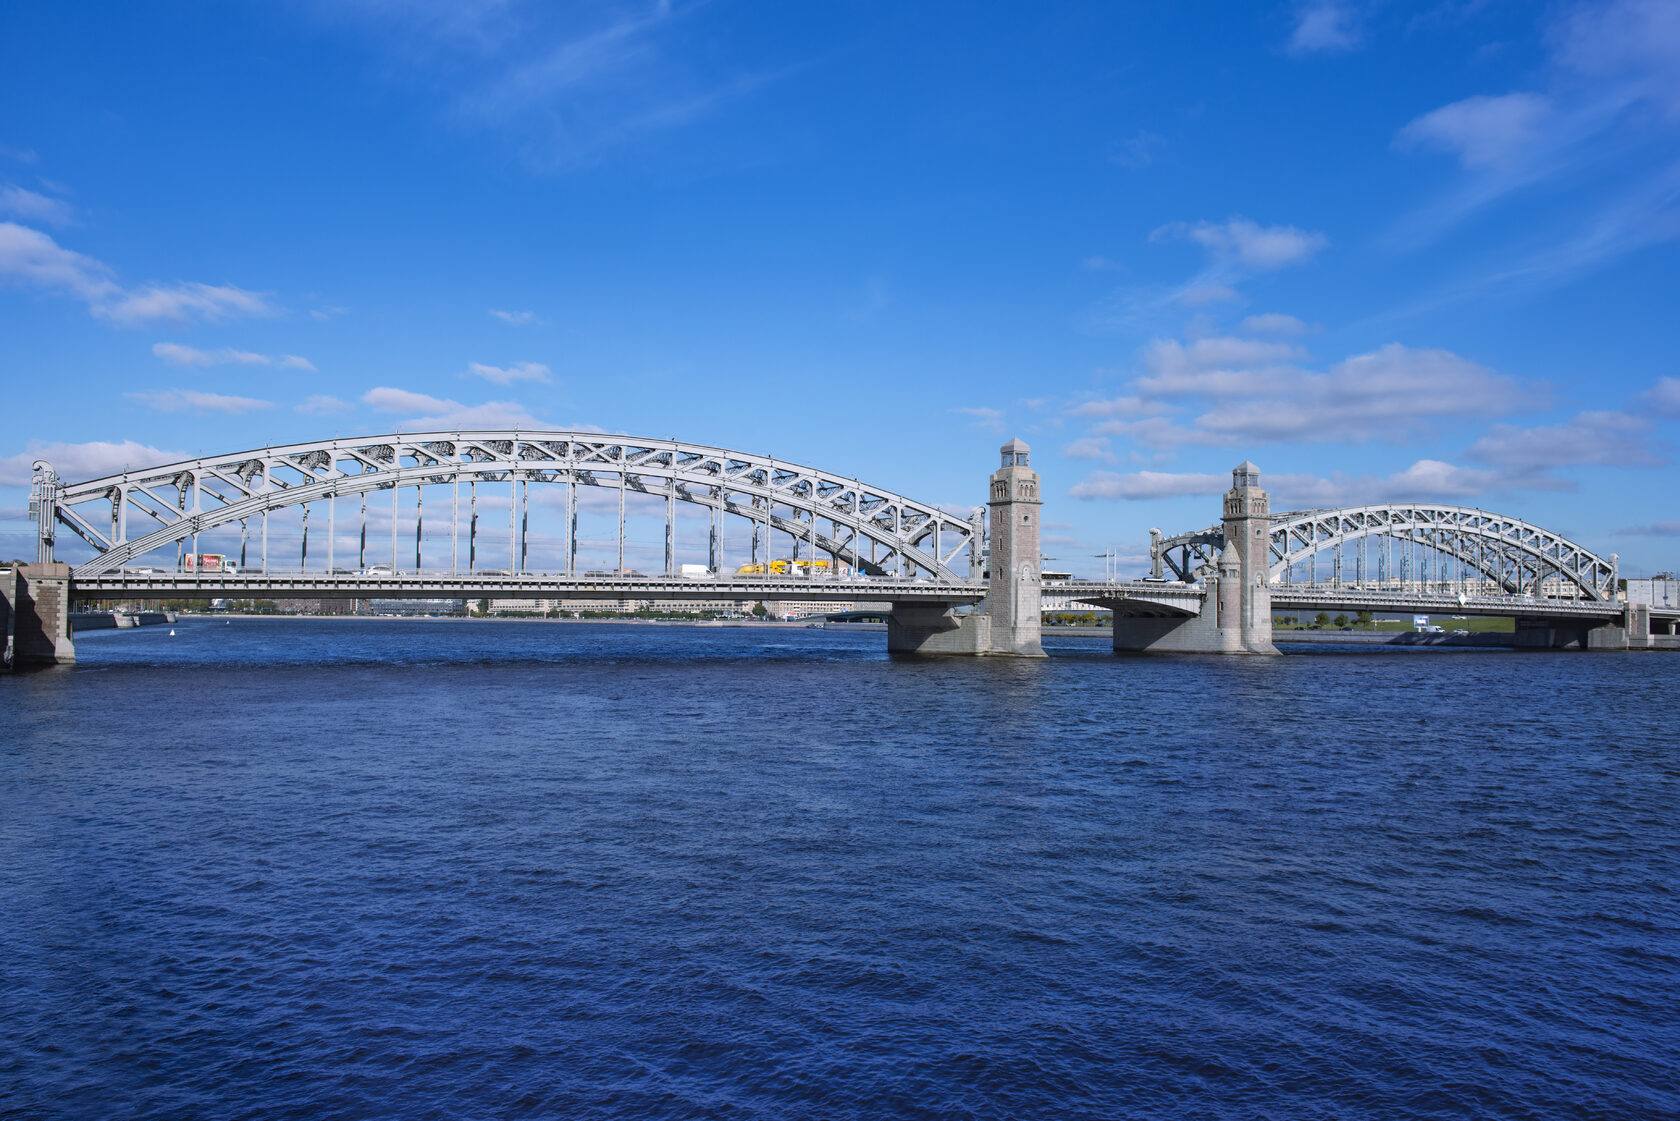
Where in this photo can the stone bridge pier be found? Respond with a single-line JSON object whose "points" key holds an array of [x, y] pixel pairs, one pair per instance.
{"points": [[1236, 611], [1009, 621], [35, 615]]}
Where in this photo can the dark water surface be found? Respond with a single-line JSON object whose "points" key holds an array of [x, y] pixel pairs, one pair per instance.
{"points": [[325, 869]]}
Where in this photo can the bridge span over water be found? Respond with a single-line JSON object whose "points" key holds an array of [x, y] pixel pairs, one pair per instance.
{"points": [[420, 516]]}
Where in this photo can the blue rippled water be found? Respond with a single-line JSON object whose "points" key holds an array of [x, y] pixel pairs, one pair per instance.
{"points": [[323, 869]]}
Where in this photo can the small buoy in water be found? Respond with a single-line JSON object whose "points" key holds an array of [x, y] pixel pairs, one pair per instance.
{"points": [[171, 634]]}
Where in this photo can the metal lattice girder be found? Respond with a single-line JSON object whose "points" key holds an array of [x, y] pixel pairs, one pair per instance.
{"points": [[1515, 554], [834, 514]]}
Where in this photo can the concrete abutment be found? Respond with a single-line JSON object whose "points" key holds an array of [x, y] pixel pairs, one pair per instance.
{"points": [[1009, 621], [37, 615]]}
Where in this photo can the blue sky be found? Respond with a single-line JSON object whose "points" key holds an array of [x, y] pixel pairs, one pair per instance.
{"points": [[1385, 250]]}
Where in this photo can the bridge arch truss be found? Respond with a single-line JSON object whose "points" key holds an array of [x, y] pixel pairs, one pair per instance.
{"points": [[125, 517], [1420, 545]]}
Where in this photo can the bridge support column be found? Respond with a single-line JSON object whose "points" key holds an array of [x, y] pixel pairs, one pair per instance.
{"points": [[1010, 620], [1631, 632], [1248, 534], [1558, 634], [1236, 615], [37, 615], [935, 629], [1015, 576]]}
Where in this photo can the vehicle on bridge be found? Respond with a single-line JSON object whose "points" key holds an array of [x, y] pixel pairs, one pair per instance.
{"points": [[208, 562], [790, 567]]}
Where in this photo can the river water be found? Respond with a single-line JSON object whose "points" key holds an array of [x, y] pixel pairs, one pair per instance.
{"points": [[348, 868]]}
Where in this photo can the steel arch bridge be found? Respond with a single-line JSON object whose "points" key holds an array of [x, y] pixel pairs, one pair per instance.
{"points": [[878, 532], [1512, 555]]}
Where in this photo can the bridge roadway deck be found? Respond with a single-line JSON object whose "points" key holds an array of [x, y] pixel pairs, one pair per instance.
{"points": [[1149, 594], [523, 585]]}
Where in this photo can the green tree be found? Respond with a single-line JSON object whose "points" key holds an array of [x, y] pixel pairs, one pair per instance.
{"points": [[760, 611], [1341, 620], [1322, 619], [1364, 619]]}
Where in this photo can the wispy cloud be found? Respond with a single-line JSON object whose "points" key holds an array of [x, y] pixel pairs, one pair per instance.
{"points": [[1273, 323], [516, 318], [82, 461], [1601, 127], [507, 375], [1245, 242], [1140, 485], [1652, 529], [33, 207], [1663, 399], [569, 83], [322, 404], [987, 418], [1598, 438], [427, 412], [32, 259], [1426, 479], [1325, 26], [1089, 447], [197, 401], [179, 355], [1481, 131], [1138, 149]]}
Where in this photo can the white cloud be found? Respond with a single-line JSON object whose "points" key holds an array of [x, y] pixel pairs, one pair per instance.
{"points": [[1242, 241], [1117, 407], [1089, 447], [1217, 365], [516, 318], [441, 413], [1634, 44], [1425, 480], [519, 371], [1602, 438], [183, 400], [180, 355], [388, 399], [1663, 398], [1200, 295], [33, 207], [192, 356], [31, 258], [1387, 392], [76, 462], [1654, 529], [1147, 484], [322, 404], [1481, 131], [1324, 26], [1273, 323], [1161, 432], [1248, 390], [1137, 150], [567, 82], [990, 419], [183, 303]]}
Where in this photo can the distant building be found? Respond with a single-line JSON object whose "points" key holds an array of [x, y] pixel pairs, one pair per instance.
{"points": [[415, 606], [1658, 591]]}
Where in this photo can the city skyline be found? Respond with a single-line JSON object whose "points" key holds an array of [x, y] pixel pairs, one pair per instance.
{"points": [[1385, 253]]}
